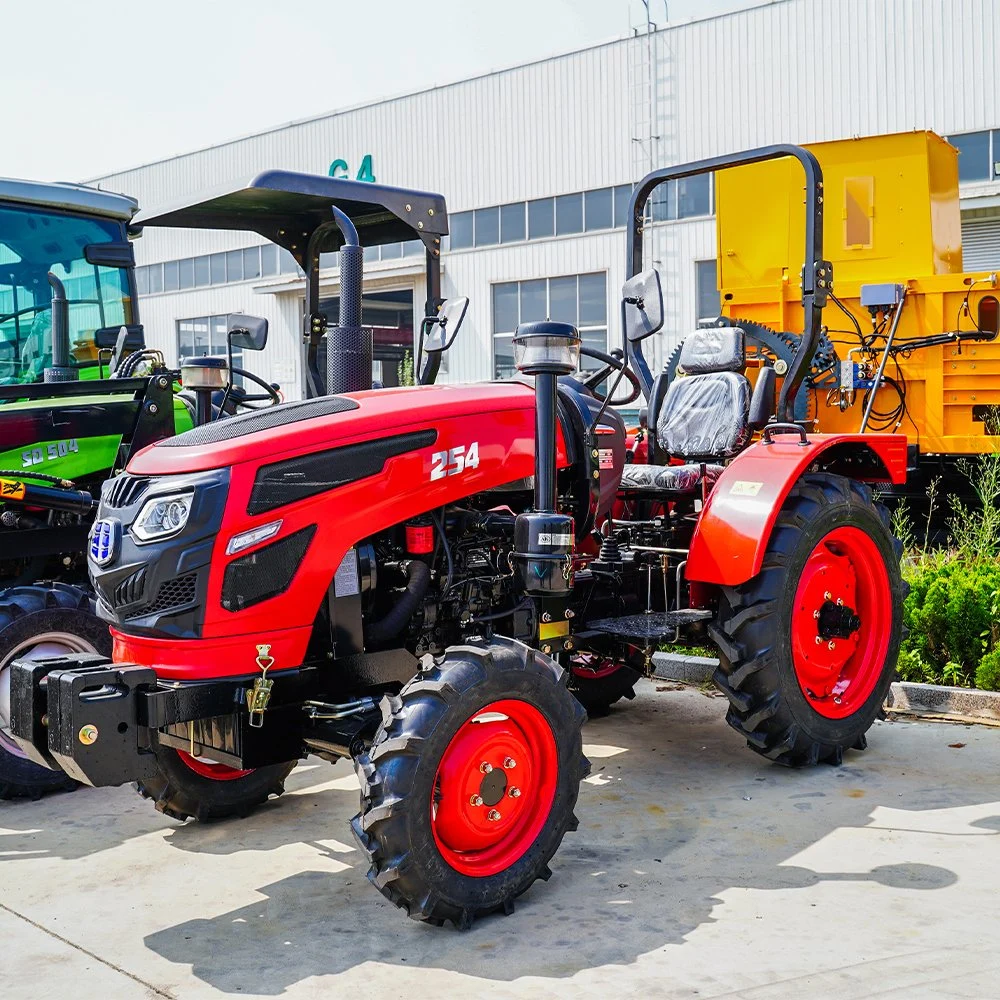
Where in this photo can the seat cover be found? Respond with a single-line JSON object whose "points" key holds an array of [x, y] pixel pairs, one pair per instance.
{"points": [[667, 478], [705, 416]]}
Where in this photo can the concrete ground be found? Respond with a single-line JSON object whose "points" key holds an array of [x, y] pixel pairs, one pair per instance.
{"points": [[699, 870]]}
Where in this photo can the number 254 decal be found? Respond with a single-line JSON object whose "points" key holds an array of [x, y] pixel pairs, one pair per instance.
{"points": [[455, 461]]}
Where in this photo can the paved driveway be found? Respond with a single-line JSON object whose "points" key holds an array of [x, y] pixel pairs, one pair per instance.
{"points": [[698, 871]]}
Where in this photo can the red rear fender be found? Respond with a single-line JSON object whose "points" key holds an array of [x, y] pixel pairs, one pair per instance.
{"points": [[734, 528]]}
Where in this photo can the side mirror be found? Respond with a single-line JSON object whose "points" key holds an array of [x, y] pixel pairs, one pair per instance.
{"points": [[444, 328], [642, 305], [107, 337], [247, 332]]}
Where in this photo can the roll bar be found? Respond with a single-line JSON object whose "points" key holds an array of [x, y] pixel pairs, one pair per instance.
{"points": [[817, 273]]}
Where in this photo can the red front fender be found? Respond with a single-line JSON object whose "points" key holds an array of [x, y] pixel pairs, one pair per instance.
{"points": [[735, 525]]}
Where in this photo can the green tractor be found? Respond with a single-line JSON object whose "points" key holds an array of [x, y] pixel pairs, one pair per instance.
{"points": [[78, 393]]}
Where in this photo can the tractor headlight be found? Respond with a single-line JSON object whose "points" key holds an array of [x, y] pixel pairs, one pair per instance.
{"points": [[162, 517], [546, 348]]}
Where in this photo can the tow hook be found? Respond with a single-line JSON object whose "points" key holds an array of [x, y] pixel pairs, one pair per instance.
{"points": [[260, 694]]}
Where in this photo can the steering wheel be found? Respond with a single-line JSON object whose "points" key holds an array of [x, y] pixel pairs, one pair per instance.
{"points": [[269, 393], [610, 363]]}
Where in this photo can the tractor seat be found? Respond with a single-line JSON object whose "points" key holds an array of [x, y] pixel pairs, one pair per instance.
{"points": [[705, 415], [680, 479]]}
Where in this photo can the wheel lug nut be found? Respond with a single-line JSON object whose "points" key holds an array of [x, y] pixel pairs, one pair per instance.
{"points": [[493, 815], [815, 614], [831, 645], [840, 602], [476, 800], [509, 763], [818, 640], [515, 793], [486, 767], [828, 596]]}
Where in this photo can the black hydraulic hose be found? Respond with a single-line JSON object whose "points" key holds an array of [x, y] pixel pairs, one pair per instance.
{"points": [[418, 578]]}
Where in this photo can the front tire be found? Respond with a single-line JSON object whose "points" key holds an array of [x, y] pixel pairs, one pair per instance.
{"points": [[53, 619], [187, 786], [448, 832], [808, 647]]}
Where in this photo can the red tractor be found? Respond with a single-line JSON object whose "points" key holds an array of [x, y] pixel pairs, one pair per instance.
{"points": [[419, 579]]}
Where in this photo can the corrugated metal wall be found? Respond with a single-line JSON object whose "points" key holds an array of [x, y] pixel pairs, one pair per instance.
{"points": [[791, 70]]}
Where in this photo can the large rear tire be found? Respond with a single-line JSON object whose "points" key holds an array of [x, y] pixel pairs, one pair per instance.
{"points": [[808, 647], [471, 781], [48, 619], [187, 786]]}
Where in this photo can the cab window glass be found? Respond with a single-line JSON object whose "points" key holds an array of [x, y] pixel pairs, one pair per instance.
{"points": [[33, 244]]}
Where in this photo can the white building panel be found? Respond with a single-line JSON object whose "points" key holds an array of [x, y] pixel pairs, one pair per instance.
{"points": [[786, 71]]}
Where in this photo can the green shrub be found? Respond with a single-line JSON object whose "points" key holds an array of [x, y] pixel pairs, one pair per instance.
{"points": [[988, 672]]}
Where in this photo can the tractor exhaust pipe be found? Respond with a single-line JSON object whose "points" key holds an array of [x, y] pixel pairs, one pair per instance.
{"points": [[349, 345], [60, 370]]}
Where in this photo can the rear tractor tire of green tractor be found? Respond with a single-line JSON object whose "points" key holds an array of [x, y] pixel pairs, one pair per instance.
{"points": [[47, 619]]}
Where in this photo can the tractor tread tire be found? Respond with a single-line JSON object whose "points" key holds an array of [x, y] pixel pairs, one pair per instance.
{"points": [[180, 793], [407, 874], [19, 778], [750, 673]]}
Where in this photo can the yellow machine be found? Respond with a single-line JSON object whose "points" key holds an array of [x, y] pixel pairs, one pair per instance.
{"points": [[904, 316]]}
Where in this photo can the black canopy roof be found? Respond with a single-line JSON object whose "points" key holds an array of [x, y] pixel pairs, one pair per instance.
{"points": [[287, 208]]}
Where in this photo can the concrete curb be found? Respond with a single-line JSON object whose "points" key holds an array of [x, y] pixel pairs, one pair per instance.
{"points": [[927, 700]]}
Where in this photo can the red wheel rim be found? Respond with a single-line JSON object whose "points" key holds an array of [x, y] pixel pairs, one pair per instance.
{"points": [[494, 788], [841, 620], [210, 769]]}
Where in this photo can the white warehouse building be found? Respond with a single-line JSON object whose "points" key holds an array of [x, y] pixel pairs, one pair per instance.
{"points": [[536, 163]]}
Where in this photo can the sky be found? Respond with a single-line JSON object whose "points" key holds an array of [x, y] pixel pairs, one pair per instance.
{"points": [[99, 87]]}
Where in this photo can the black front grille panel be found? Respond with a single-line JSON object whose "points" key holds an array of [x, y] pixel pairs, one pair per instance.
{"points": [[129, 591], [265, 573], [175, 593], [259, 420], [297, 478], [124, 490]]}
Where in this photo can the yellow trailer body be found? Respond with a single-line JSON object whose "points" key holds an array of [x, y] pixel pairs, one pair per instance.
{"points": [[891, 222]]}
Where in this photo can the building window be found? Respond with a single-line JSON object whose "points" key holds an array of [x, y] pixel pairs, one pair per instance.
{"points": [[541, 219], [977, 156], [569, 214], [234, 265], [171, 280], [154, 278], [512, 228], [205, 335], [599, 209], [251, 263], [622, 195], [487, 226], [580, 299], [709, 303], [268, 260], [141, 282], [202, 274], [185, 273], [460, 230]]}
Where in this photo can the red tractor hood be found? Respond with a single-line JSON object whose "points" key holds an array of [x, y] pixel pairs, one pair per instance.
{"points": [[379, 413]]}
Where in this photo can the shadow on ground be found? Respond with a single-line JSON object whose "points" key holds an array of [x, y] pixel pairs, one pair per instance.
{"points": [[674, 814]]}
